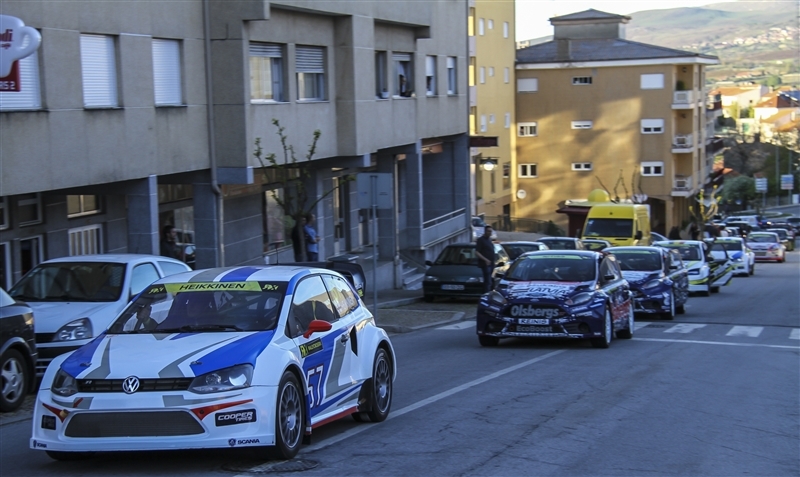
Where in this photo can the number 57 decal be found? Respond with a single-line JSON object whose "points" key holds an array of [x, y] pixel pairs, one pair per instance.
{"points": [[314, 380]]}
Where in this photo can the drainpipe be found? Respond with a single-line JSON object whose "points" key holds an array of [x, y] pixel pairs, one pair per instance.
{"points": [[212, 146]]}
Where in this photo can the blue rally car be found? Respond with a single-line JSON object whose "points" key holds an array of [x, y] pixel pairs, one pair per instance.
{"points": [[558, 294], [658, 278]]}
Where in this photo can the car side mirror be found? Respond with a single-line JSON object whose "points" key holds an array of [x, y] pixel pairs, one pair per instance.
{"points": [[500, 264], [638, 235], [316, 326], [428, 263]]}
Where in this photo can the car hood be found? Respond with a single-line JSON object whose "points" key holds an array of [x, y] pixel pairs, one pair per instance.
{"points": [[544, 291], [51, 315], [454, 272], [164, 355], [638, 278]]}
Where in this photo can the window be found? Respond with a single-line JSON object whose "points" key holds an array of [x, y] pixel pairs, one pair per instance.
{"points": [[78, 205], [99, 71], [527, 129], [404, 87], [506, 175], [581, 80], [505, 29], [381, 86], [29, 95], [451, 75], [4, 222], [506, 75], [490, 24], [483, 123], [430, 75], [85, 240], [266, 73], [482, 75], [652, 126], [167, 72], [342, 296], [493, 181], [652, 81], [473, 119], [171, 268], [527, 85], [310, 302], [527, 170], [508, 120], [653, 168], [277, 226], [5, 265], [491, 71], [491, 119], [29, 209], [310, 67], [480, 26], [581, 166], [581, 125], [142, 276]]}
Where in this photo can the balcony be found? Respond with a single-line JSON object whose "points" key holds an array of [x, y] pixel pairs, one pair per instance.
{"points": [[682, 144], [683, 100], [473, 96], [682, 186]]}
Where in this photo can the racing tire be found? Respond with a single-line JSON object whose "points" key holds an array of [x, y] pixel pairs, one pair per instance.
{"points": [[428, 298], [670, 315], [753, 269], [14, 375], [680, 309], [627, 333], [608, 332], [69, 456], [290, 421], [380, 395], [488, 341]]}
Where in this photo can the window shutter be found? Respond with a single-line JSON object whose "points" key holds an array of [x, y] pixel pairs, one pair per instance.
{"points": [[29, 95], [401, 56], [309, 59], [527, 85], [430, 66], [99, 71], [167, 72], [451, 62], [266, 49]]}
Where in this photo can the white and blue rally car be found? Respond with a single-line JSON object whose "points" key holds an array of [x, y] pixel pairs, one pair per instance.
{"points": [[219, 358]]}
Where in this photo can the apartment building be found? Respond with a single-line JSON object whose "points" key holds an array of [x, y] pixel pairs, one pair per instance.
{"points": [[491, 102], [135, 115], [595, 111]]}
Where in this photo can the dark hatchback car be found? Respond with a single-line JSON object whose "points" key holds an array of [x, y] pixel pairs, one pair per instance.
{"points": [[455, 273], [562, 243], [17, 352], [515, 249]]}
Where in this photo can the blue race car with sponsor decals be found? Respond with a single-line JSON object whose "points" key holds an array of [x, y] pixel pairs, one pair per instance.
{"points": [[219, 358], [558, 294], [707, 272], [658, 278]]}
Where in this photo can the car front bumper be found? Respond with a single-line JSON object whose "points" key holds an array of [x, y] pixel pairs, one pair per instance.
{"points": [[453, 289], [584, 324]]}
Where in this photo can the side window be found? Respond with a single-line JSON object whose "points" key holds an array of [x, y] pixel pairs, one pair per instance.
{"points": [[502, 256], [608, 269], [142, 276], [310, 302], [676, 259], [344, 300], [171, 268]]}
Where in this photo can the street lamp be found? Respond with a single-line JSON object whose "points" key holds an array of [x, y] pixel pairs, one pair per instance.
{"points": [[489, 163]]}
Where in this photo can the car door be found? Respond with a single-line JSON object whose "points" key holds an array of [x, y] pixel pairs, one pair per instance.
{"points": [[720, 265], [352, 318], [617, 289], [322, 353], [677, 272]]}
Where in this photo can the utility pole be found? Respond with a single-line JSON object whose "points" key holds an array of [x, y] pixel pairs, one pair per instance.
{"points": [[777, 175]]}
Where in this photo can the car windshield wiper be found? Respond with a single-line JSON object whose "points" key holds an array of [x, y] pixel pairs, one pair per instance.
{"points": [[189, 328]]}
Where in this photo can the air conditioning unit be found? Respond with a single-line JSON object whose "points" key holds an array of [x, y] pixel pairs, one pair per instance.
{"points": [[683, 141], [682, 183]]}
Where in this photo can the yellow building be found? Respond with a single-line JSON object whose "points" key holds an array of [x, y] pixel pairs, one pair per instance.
{"points": [[595, 110], [491, 101]]}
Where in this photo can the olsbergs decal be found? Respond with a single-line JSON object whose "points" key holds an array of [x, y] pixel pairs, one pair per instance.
{"points": [[552, 290], [637, 277]]}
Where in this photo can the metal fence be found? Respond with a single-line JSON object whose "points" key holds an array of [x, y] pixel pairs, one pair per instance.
{"points": [[505, 223]]}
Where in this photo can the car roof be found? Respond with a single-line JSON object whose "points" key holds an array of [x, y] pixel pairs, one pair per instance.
{"points": [[588, 253], [572, 239], [520, 242], [461, 245], [246, 273], [112, 258], [635, 248], [697, 243]]}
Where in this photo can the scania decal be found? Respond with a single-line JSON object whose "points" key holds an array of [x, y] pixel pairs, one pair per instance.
{"points": [[213, 286], [313, 346], [236, 417], [243, 442]]}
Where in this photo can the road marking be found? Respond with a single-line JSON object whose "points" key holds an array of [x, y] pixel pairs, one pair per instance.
{"points": [[748, 331], [795, 334], [684, 328], [721, 343], [438, 397], [639, 325], [458, 326]]}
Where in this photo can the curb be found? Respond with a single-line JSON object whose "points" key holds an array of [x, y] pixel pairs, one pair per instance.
{"points": [[408, 329]]}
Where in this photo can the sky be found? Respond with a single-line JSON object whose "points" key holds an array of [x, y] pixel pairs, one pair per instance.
{"points": [[533, 15]]}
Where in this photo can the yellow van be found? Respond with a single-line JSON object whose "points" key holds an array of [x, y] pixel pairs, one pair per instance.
{"points": [[620, 224]]}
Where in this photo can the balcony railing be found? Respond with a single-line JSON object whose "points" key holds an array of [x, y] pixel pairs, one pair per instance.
{"points": [[682, 143], [683, 99], [442, 226], [682, 185]]}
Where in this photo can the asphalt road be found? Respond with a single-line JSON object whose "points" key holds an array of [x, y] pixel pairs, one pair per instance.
{"points": [[712, 393]]}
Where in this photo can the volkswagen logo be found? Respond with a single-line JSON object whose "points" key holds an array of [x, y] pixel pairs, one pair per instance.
{"points": [[130, 385]]}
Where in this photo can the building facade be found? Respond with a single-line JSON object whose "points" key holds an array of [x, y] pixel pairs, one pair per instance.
{"points": [[136, 115], [595, 111]]}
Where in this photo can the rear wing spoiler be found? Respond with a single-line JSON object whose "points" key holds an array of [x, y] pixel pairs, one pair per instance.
{"points": [[350, 271]]}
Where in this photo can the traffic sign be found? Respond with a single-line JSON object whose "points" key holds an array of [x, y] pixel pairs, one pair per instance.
{"points": [[787, 182], [761, 184]]}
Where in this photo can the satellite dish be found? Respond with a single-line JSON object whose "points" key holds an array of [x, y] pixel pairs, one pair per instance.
{"points": [[521, 194], [639, 198]]}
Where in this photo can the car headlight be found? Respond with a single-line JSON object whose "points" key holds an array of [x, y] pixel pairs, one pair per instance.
{"points": [[580, 299], [64, 385], [228, 379], [475, 280], [431, 278], [75, 330], [651, 284], [497, 298]]}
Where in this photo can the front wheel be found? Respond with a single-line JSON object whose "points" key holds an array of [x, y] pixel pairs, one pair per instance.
{"points": [[627, 333], [488, 341], [670, 315], [714, 289], [752, 269], [289, 418], [13, 380], [381, 392], [608, 326]]}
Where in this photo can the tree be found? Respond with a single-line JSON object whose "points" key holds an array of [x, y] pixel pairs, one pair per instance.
{"points": [[742, 156], [292, 176], [740, 188]]}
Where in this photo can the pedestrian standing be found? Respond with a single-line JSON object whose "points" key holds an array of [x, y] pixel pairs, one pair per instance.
{"points": [[484, 249], [298, 229], [312, 239], [169, 246]]}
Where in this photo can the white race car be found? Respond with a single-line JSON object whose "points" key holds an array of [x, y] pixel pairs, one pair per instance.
{"points": [[744, 260], [219, 358], [709, 265]]}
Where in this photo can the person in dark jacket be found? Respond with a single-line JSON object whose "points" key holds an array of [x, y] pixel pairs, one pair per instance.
{"points": [[484, 249], [169, 246], [674, 233]]}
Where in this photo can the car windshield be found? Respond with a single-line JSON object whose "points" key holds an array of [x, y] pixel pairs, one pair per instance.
{"points": [[72, 281], [477, 222], [561, 268], [594, 244], [731, 246], [455, 255], [561, 244], [781, 233], [638, 260], [203, 307], [688, 252], [609, 228], [516, 249], [762, 238]]}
